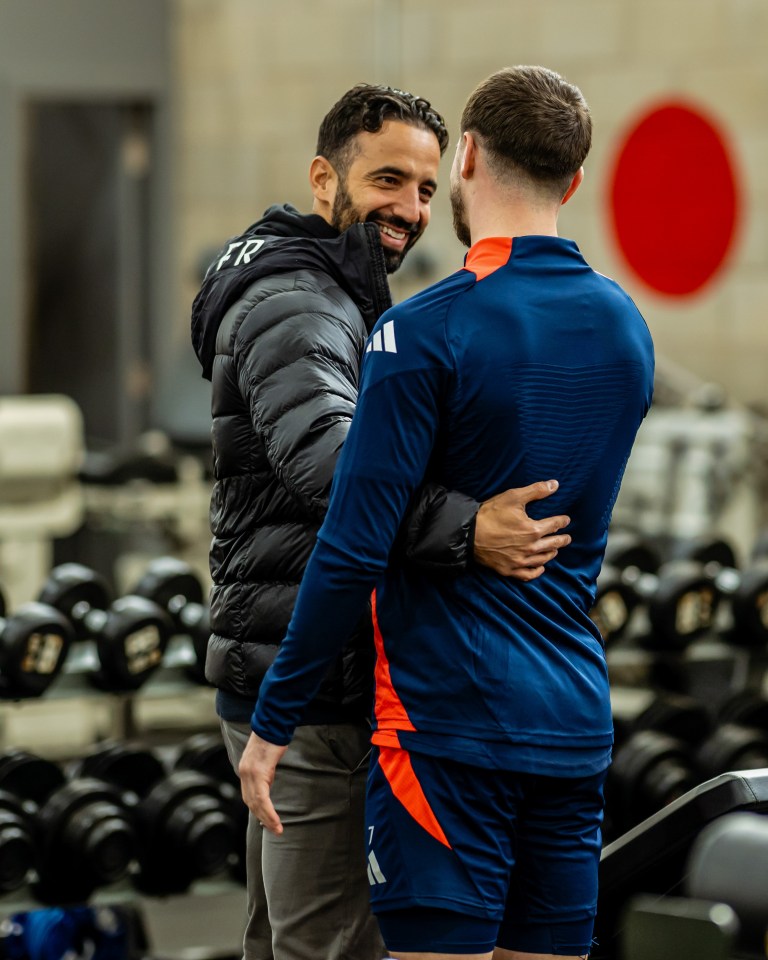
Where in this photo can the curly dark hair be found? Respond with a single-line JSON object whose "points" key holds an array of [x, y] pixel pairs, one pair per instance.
{"points": [[365, 108]]}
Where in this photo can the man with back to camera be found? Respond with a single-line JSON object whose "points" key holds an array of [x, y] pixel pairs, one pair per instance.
{"points": [[280, 326], [492, 728]]}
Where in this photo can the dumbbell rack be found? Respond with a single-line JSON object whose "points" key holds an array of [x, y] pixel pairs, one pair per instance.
{"points": [[70, 718], [168, 703]]}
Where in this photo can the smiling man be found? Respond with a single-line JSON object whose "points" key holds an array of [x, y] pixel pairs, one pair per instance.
{"points": [[280, 326]]}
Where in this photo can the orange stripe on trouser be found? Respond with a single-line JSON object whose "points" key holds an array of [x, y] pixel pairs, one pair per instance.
{"points": [[397, 768]]}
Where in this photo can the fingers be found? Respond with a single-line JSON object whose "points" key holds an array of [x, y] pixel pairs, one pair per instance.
{"points": [[537, 491], [548, 542], [267, 815], [257, 772]]}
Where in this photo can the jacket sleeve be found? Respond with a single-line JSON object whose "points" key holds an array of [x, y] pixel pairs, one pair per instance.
{"points": [[297, 356], [438, 532]]}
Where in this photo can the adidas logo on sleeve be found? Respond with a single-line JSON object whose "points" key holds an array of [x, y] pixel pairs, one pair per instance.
{"points": [[384, 339]]}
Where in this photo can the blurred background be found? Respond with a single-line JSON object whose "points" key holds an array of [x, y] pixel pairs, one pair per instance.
{"points": [[136, 136]]}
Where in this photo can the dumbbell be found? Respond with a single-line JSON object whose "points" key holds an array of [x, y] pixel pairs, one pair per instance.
{"points": [[746, 591], [650, 770], [34, 643], [130, 634], [17, 849], [174, 585], [673, 714], [184, 819], [740, 739], [81, 832], [680, 601], [615, 598], [206, 753], [677, 597]]}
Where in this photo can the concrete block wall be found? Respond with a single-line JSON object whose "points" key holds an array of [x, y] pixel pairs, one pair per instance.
{"points": [[256, 76]]}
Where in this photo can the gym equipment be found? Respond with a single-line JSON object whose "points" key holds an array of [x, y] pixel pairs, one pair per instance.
{"points": [[732, 747], [651, 857], [184, 819], [650, 771], [41, 498], [746, 591], [675, 715], [615, 600], [678, 927], [34, 643], [130, 634], [615, 597], [678, 600], [83, 838], [728, 863], [206, 753], [17, 851], [174, 585]]}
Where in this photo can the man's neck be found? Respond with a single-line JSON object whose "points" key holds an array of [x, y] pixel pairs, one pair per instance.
{"points": [[512, 223]]}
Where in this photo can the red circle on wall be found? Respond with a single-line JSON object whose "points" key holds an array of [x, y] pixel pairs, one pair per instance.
{"points": [[674, 199]]}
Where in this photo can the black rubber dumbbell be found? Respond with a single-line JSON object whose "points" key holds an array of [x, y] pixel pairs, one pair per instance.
{"points": [[732, 747], [130, 634], [745, 592], [176, 587], [670, 603], [615, 597], [675, 715], [17, 848], [740, 738], [83, 836], [34, 643], [649, 771], [184, 819], [206, 753], [680, 602]]}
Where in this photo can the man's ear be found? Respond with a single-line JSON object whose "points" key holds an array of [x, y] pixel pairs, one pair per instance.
{"points": [[574, 186], [322, 180], [469, 155]]}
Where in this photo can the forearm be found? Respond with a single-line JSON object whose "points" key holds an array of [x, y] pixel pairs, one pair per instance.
{"points": [[333, 595]]}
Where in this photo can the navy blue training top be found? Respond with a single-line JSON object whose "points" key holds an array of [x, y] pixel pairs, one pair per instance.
{"points": [[524, 365]]}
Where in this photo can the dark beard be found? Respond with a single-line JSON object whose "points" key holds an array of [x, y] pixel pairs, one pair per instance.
{"points": [[344, 214], [460, 225]]}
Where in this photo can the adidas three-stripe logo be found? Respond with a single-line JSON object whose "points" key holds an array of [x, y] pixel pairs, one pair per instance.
{"points": [[374, 870], [384, 339]]}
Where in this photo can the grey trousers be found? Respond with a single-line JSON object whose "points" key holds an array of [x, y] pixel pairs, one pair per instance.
{"points": [[307, 890]]}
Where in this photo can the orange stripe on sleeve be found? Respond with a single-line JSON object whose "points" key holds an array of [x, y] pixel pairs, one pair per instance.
{"points": [[397, 768], [488, 255], [388, 708]]}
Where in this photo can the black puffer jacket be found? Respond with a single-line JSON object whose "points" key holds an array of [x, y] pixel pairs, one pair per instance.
{"points": [[279, 326]]}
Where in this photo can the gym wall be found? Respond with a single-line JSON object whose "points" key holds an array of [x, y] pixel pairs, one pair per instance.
{"points": [[255, 77]]}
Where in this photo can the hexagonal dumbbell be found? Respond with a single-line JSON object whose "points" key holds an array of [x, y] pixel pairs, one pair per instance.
{"points": [[177, 588], [184, 819], [649, 771], [615, 596], [130, 634], [680, 602], [206, 753], [34, 643], [82, 834], [744, 592]]}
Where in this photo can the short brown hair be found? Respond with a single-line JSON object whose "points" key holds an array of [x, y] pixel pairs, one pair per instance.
{"points": [[531, 121]]}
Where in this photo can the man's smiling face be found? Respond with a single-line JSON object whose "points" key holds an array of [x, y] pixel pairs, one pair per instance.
{"points": [[389, 180]]}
